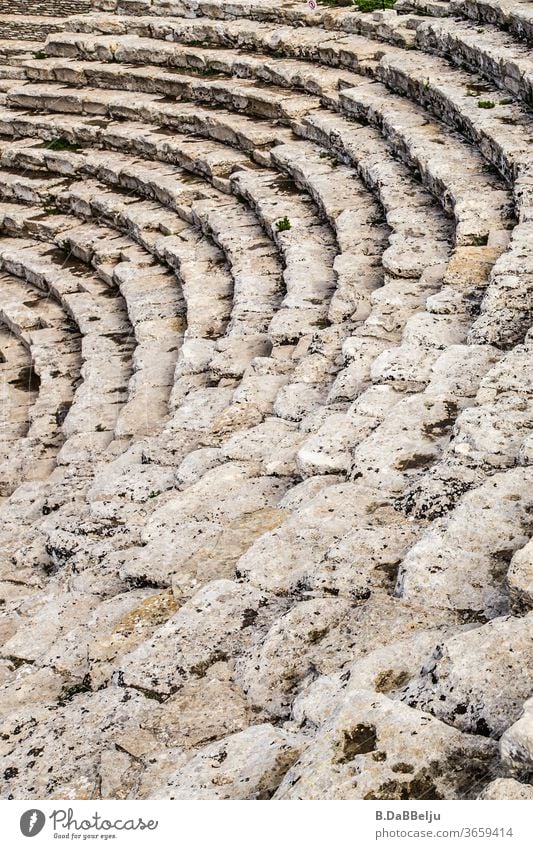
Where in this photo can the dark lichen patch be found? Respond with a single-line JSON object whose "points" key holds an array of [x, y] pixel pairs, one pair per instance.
{"points": [[201, 668], [359, 740], [389, 680], [403, 767], [248, 617], [317, 634], [420, 787], [483, 728], [415, 461], [478, 241], [68, 691], [28, 380], [10, 772]]}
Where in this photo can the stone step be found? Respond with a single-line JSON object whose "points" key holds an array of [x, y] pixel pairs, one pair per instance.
{"points": [[19, 390], [29, 26], [256, 285], [352, 52], [8, 72], [169, 239], [299, 215], [510, 15], [55, 362], [383, 305], [369, 101], [9, 83], [430, 358], [155, 314], [491, 435], [202, 61], [246, 96], [138, 15], [457, 181], [503, 133], [307, 245], [105, 350], [279, 529], [432, 70], [491, 52], [464, 548], [397, 58], [507, 308], [48, 7], [342, 94], [430, 8], [412, 215], [14, 52], [239, 131]]}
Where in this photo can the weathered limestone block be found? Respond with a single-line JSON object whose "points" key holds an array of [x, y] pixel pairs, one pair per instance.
{"points": [[214, 625], [249, 765], [328, 450], [204, 710], [45, 753], [520, 578], [386, 670], [321, 636], [374, 748], [462, 559], [407, 441], [115, 627], [516, 744], [366, 559], [280, 560], [506, 788], [43, 619], [478, 680]]}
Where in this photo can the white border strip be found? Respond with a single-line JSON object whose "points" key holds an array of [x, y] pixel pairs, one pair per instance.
{"points": [[255, 825]]}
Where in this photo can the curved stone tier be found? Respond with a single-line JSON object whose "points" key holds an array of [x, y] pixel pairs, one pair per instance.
{"points": [[265, 360]]}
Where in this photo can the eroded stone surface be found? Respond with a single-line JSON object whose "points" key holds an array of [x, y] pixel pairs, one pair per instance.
{"points": [[265, 360]]}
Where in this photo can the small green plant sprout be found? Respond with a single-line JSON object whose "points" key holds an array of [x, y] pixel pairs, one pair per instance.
{"points": [[479, 241], [283, 224], [65, 245], [486, 104], [154, 493], [62, 144], [40, 54], [373, 5], [326, 154]]}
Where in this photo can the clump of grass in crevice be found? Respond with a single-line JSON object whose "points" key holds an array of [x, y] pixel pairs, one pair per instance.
{"points": [[62, 143], [373, 5], [283, 224]]}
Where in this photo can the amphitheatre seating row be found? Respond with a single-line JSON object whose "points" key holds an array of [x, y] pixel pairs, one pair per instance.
{"points": [[284, 441]]}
